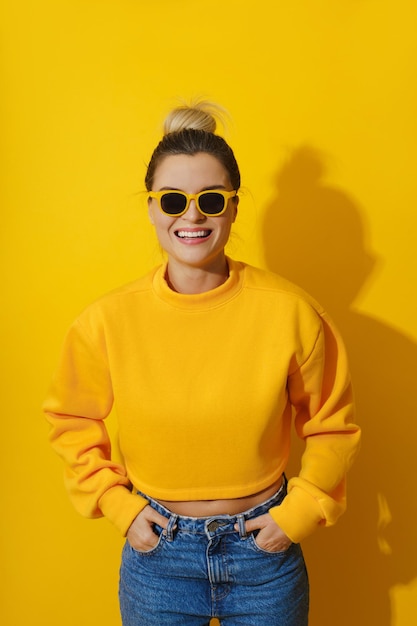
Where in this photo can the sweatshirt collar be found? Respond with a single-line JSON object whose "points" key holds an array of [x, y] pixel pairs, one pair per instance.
{"points": [[200, 301]]}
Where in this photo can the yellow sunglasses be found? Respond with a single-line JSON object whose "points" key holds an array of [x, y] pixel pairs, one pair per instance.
{"points": [[212, 202]]}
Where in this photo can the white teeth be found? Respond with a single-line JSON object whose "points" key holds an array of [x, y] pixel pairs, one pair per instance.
{"points": [[192, 234]]}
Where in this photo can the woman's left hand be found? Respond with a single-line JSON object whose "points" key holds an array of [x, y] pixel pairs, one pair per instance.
{"points": [[270, 537]]}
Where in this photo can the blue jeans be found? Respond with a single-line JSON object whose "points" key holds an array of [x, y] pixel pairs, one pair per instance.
{"points": [[204, 568]]}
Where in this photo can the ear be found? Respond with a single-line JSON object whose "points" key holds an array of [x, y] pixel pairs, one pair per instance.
{"points": [[150, 211], [236, 202]]}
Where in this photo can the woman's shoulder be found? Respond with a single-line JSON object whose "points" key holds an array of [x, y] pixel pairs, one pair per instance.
{"points": [[264, 280], [143, 283], [119, 297]]}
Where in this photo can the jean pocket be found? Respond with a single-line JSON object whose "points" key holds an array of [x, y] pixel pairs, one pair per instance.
{"points": [[254, 544], [152, 551]]}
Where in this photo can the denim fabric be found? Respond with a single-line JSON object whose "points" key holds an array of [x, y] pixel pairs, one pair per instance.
{"points": [[203, 568]]}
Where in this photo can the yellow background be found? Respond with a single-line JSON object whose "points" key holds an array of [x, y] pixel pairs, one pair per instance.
{"points": [[323, 102]]}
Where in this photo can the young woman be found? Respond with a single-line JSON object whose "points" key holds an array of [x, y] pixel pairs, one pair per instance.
{"points": [[206, 360]]}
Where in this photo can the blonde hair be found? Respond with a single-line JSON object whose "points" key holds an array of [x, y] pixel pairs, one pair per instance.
{"points": [[190, 129], [199, 115]]}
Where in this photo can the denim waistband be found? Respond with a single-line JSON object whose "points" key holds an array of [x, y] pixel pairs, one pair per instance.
{"points": [[211, 524]]}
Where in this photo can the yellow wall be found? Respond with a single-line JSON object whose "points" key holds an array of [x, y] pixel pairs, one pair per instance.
{"points": [[323, 100]]}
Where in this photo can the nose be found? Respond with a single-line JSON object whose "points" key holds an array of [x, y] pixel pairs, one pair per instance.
{"points": [[192, 214]]}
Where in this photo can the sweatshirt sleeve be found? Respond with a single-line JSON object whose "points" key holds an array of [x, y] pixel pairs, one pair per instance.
{"points": [[321, 393], [78, 401]]}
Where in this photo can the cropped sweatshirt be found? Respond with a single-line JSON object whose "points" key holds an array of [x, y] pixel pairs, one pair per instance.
{"points": [[204, 388]]}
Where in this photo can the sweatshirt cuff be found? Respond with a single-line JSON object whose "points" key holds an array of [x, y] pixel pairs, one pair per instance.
{"points": [[121, 507], [299, 515]]}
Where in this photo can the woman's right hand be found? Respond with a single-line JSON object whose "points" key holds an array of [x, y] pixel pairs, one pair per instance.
{"points": [[140, 534]]}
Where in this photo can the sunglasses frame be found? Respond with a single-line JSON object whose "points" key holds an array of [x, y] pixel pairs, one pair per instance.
{"points": [[193, 196]]}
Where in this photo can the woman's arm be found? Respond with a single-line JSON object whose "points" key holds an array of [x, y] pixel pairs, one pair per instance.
{"points": [[320, 391], [79, 399]]}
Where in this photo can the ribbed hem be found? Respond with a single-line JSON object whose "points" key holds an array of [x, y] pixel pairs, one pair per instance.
{"points": [[121, 507], [298, 516]]}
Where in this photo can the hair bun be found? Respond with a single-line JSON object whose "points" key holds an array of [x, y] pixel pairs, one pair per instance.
{"points": [[199, 115]]}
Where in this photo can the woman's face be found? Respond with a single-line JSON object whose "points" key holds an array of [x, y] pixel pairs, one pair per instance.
{"points": [[192, 239]]}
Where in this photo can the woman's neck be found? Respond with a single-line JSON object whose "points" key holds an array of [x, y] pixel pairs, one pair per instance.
{"points": [[194, 280]]}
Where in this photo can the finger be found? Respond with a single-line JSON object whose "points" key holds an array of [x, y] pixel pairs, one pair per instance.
{"points": [[140, 534], [254, 524], [157, 518], [251, 525]]}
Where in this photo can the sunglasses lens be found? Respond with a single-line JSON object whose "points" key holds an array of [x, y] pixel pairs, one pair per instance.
{"points": [[173, 203], [211, 203]]}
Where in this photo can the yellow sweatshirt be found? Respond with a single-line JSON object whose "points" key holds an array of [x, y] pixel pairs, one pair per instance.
{"points": [[204, 387]]}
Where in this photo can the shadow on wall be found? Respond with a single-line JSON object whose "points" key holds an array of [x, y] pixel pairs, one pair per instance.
{"points": [[314, 236]]}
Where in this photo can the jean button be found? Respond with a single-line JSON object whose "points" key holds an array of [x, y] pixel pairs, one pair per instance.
{"points": [[213, 526]]}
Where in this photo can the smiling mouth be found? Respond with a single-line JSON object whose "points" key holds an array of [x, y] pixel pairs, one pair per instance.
{"points": [[193, 234]]}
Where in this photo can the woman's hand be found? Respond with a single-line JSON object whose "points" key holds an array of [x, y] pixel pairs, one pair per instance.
{"points": [[270, 537], [140, 534]]}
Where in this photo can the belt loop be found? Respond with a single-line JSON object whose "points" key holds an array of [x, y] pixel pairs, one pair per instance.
{"points": [[242, 528], [169, 532]]}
